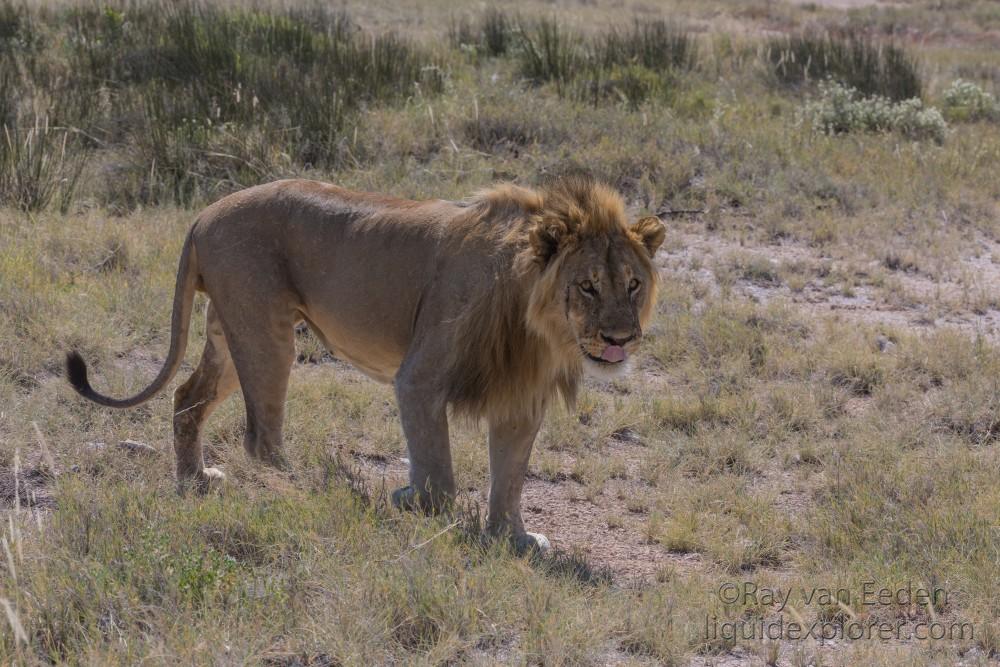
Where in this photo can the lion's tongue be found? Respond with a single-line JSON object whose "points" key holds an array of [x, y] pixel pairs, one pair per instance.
{"points": [[613, 353]]}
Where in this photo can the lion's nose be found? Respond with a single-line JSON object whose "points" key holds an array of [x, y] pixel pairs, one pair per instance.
{"points": [[617, 338]]}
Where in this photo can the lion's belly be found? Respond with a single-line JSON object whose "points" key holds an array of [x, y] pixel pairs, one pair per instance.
{"points": [[376, 356], [384, 373]]}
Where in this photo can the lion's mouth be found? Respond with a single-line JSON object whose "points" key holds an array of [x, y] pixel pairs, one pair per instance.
{"points": [[612, 355]]}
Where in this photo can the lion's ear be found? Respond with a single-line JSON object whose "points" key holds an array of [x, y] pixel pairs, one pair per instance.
{"points": [[545, 238], [651, 232]]}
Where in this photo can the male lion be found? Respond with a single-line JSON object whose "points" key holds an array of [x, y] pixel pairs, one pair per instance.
{"points": [[489, 306]]}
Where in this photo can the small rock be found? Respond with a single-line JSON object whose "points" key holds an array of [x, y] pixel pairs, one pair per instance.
{"points": [[133, 447], [96, 446]]}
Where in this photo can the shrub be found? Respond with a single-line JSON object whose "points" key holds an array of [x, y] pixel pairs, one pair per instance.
{"points": [[174, 87], [630, 65], [630, 84], [548, 52], [964, 100], [840, 109], [39, 166], [883, 70], [493, 36], [656, 45], [462, 34], [496, 32], [500, 128]]}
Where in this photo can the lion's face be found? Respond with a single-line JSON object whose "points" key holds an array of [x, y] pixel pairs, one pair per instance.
{"points": [[597, 289], [609, 288]]}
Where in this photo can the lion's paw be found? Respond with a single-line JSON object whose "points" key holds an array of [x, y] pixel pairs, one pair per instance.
{"points": [[408, 499], [532, 542], [212, 475], [209, 479]]}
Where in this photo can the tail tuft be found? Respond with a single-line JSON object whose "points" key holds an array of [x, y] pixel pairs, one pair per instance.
{"points": [[187, 285], [76, 373]]}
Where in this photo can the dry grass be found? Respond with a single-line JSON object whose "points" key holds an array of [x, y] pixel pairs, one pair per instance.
{"points": [[816, 405]]}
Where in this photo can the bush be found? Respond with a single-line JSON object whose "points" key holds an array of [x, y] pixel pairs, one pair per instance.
{"points": [[168, 91], [840, 109], [493, 36], [39, 166], [964, 100], [549, 52], [629, 65], [883, 70], [655, 45], [504, 129]]}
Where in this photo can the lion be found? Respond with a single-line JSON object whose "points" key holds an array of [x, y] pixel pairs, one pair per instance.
{"points": [[486, 308]]}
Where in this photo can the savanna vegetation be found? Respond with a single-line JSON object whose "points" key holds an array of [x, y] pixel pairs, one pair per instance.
{"points": [[817, 404]]}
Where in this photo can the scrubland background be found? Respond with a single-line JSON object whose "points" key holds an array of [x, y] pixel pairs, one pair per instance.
{"points": [[818, 403]]}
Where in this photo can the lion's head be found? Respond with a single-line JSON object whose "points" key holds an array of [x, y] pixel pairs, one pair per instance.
{"points": [[582, 291], [598, 286]]}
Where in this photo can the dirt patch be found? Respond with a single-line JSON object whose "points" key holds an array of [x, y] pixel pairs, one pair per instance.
{"points": [[571, 522], [603, 531], [961, 298]]}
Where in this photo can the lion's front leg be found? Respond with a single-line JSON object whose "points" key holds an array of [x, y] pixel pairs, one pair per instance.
{"points": [[425, 425], [510, 448]]}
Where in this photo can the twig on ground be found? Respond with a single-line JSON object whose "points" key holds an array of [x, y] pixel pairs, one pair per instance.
{"points": [[424, 543]]}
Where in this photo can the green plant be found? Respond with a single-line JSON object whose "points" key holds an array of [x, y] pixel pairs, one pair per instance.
{"points": [[873, 69], [170, 91], [655, 45], [548, 52], [493, 35], [840, 109], [39, 165], [965, 101]]}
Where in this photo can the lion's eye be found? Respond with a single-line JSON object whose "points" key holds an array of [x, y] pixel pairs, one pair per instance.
{"points": [[587, 287], [633, 285]]}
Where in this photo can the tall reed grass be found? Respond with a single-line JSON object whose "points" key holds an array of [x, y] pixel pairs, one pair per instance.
{"points": [[629, 65], [177, 102], [169, 85], [852, 59]]}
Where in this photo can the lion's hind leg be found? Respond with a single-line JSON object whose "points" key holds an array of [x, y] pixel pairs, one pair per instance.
{"points": [[211, 383], [262, 345]]}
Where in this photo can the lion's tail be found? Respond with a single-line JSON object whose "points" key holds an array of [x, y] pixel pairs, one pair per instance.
{"points": [[187, 280]]}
